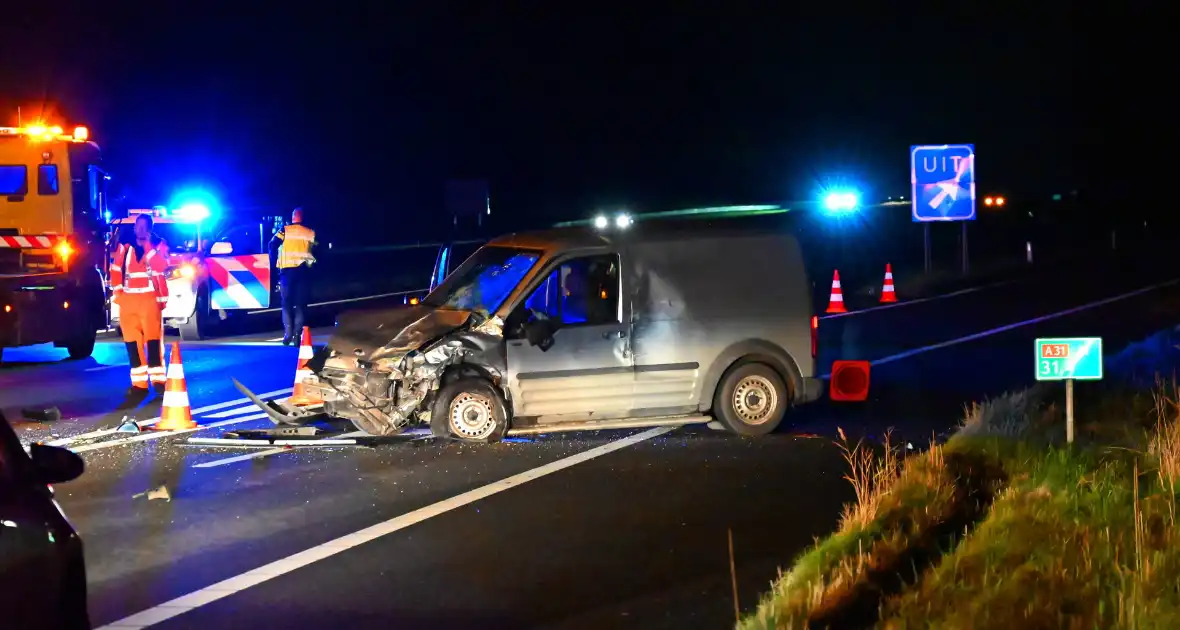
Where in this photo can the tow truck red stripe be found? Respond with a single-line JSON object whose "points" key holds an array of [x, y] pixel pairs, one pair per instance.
{"points": [[23, 242]]}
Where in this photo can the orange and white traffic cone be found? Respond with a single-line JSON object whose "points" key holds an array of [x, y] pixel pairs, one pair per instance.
{"points": [[836, 301], [888, 296], [176, 415], [301, 396]]}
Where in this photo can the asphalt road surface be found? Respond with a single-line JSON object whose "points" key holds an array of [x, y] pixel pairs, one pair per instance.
{"points": [[606, 529]]}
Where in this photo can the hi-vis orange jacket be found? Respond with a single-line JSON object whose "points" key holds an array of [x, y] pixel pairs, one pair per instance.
{"points": [[131, 275]]}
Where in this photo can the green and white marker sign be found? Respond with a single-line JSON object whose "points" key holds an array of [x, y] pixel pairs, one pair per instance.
{"points": [[1069, 358]]}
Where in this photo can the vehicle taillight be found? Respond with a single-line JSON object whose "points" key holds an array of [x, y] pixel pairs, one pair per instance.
{"points": [[64, 252], [814, 336]]}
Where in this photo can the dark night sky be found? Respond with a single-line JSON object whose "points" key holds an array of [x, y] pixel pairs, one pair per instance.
{"points": [[368, 110]]}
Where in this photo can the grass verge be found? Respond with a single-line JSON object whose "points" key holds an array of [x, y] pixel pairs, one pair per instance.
{"points": [[1004, 525]]}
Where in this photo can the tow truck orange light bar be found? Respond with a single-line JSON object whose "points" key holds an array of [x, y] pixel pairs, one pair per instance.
{"points": [[47, 132]]}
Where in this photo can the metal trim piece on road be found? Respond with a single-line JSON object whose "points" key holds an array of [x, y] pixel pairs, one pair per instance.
{"points": [[260, 454], [155, 435], [225, 588], [263, 443], [147, 423]]}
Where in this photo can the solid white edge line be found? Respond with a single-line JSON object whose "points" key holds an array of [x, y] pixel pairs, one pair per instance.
{"points": [[225, 588], [267, 453], [882, 307], [147, 423], [1028, 322], [263, 442]]}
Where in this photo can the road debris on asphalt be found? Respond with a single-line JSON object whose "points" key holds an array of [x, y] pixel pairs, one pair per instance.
{"points": [[129, 426], [155, 493], [50, 414]]}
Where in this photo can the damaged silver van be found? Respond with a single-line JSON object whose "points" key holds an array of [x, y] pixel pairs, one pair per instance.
{"points": [[586, 329]]}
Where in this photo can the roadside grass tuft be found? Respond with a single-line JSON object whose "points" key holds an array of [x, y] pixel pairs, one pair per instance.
{"points": [[894, 503], [1049, 535]]}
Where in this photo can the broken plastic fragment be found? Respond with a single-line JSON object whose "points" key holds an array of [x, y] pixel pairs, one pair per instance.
{"points": [[128, 426], [155, 493]]}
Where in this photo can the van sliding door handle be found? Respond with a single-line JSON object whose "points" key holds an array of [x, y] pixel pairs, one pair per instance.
{"points": [[614, 334]]}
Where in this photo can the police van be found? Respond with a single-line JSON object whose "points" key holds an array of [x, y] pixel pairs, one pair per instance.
{"points": [[212, 273]]}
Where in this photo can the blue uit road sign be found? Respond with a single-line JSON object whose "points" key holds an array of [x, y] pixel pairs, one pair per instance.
{"points": [[1078, 358], [943, 179]]}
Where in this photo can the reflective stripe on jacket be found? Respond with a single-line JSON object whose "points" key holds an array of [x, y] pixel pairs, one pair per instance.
{"points": [[296, 247], [132, 275]]}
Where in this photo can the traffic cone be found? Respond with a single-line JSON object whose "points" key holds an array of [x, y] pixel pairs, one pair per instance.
{"points": [[176, 414], [302, 396], [888, 296], [836, 301]]}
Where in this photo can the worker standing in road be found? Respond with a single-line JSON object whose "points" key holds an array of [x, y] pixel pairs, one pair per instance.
{"points": [[140, 288], [293, 244]]}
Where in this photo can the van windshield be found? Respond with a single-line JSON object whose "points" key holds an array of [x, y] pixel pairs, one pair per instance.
{"points": [[484, 281]]}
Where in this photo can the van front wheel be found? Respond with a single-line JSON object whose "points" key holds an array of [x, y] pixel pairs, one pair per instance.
{"points": [[469, 409], [752, 399]]}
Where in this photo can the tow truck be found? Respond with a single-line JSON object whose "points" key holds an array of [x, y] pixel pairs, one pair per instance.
{"points": [[212, 272], [53, 204]]}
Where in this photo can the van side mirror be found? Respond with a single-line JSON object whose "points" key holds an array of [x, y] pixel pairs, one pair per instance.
{"points": [[221, 248], [540, 333], [55, 464]]}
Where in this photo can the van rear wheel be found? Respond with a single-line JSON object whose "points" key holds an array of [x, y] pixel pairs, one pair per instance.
{"points": [[752, 399], [469, 409]]}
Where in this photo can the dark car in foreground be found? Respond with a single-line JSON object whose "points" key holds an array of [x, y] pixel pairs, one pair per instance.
{"points": [[42, 571]]}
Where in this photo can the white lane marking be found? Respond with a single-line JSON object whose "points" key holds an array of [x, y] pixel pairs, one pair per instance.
{"points": [[228, 587], [147, 423], [155, 435], [1028, 322], [103, 367], [268, 452], [932, 298], [275, 339]]}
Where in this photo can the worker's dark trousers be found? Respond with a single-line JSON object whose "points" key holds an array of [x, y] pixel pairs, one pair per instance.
{"points": [[293, 286]]}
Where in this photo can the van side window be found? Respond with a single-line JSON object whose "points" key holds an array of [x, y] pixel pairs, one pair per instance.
{"points": [[579, 292], [245, 239], [47, 179]]}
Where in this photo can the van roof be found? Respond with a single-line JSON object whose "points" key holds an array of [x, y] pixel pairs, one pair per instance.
{"points": [[579, 237]]}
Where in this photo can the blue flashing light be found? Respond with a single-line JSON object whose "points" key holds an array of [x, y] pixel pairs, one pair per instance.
{"points": [[195, 205], [107, 216], [192, 212], [841, 202]]}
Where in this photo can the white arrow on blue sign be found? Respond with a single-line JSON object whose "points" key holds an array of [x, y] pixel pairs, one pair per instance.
{"points": [[943, 178]]}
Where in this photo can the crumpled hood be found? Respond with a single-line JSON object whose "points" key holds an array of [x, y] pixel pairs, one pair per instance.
{"points": [[398, 330]]}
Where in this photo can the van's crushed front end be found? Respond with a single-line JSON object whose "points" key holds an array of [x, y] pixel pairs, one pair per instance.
{"points": [[382, 367]]}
